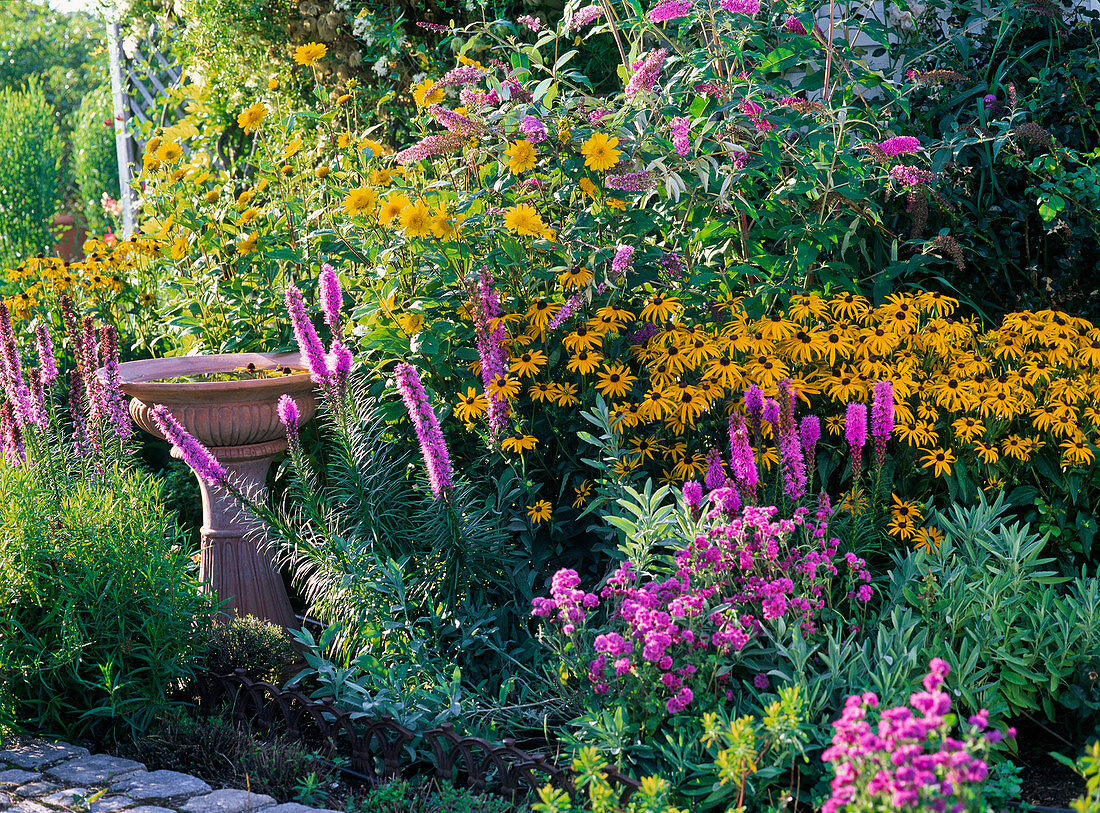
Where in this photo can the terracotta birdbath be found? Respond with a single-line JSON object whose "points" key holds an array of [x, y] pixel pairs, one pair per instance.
{"points": [[237, 420]]}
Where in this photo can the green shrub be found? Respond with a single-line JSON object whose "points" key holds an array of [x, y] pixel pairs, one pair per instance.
{"points": [[31, 174], [101, 613], [403, 797], [260, 648], [95, 162]]}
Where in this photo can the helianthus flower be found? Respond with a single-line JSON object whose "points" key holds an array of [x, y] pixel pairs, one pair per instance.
{"points": [[247, 244], [614, 381], [361, 200], [521, 157], [247, 216], [540, 511], [392, 208], [427, 93], [250, 118], [471, 406], [416, 219], [310, 52], [528, 363], [599, 152], [524, 220], [939, 460], [587, 187], [518, 444]]}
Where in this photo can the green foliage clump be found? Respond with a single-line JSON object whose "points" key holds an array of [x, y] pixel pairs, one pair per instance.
{"points": [[402, 796], [95, 161], [31, 174], [101, 613], [260, 648]]}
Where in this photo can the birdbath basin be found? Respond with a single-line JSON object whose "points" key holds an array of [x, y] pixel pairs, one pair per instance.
{"points": [[230, 407]]}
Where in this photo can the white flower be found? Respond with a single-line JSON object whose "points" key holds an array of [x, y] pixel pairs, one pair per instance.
{"points": [[381, 67]]}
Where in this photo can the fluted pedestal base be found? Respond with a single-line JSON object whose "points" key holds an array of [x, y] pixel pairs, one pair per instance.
{"points": [[234, 562]]}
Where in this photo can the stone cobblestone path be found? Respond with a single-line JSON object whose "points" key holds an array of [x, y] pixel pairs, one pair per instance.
{"points": [[46, 777]]}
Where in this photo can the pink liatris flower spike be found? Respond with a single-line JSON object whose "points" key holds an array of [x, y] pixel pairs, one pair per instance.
{"points": [[332, 300], [194, 454], [433, 447]]}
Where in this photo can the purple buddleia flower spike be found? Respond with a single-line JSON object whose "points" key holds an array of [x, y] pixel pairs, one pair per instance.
{"points": [[194, 454], [332, 300], [433, 447], [309, 345]]}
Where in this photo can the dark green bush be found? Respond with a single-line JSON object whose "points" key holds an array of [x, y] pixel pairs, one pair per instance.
{"points": [[260, 648], [31, 174], [95, 162], [101, 614]]}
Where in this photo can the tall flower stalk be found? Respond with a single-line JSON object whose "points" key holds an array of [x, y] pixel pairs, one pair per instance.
{"points": [[433, 446]]}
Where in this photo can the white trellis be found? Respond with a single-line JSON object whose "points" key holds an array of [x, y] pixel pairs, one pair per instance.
{"points": [[140, 75]]}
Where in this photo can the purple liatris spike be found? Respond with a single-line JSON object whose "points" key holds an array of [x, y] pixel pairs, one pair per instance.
{"points": [[791, 463], [788, 398], [289, 416], [754, 402], [194, 454], [855, 431], [716, 470], [46, 361], [433, 447], [40, 414], [340, 363], [882, 410], [772, 412], [110, 389], [742, 459], [309, 345], [494, 358], [11, 370], [693, 497], [332, 300], [77, 412], [810, 430], [11, 437]]}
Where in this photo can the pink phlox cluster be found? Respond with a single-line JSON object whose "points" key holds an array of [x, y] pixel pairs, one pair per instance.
{"points": [[680, 128], [907, 760], [669, 10], [568, 603], [645, 71]]}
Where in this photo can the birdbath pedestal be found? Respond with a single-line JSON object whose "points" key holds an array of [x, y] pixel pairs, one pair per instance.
{"points": [[237, 420]]}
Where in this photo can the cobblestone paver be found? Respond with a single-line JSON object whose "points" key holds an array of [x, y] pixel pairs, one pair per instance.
{"points": [[46, 777]]}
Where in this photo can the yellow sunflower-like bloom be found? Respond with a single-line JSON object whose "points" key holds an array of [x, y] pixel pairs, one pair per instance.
{"points": [[540, 511], [600, 153], [252, 117], [524, 220], [521, 157], [361, 200], [309, 53], [471, 405]]}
